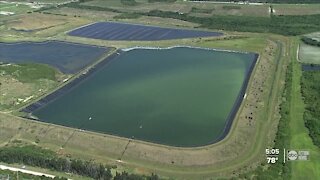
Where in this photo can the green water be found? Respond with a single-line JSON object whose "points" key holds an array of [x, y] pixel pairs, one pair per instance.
{"points": [[180, 96]]}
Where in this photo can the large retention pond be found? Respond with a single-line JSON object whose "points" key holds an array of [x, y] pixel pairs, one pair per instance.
{"points": [[180, 96]]}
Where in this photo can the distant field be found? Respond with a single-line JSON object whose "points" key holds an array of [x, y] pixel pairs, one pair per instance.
{"points": [[97, 15], [296, 9], [186, 7], [221, 9], [36, 21], [13, 8], [309, 54]]}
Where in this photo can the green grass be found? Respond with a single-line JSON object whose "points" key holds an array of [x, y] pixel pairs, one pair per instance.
{"points": [[17, 9], [309, 54], [296, 9], [27, 73], [21, 83], [299, 134], [253, 43]]}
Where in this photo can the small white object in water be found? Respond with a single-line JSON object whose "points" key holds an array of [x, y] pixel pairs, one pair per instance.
{"points": [[90, 118], [140, 126]]}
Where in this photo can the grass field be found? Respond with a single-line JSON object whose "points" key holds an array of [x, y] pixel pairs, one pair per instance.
{"points": [[309, 54], [296, 9], [34, 79], [16, 9], [46, 29], [300, 139], [36, 21]]}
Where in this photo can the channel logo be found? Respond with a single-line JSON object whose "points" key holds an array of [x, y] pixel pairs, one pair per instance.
{"points": [[293, 155]]}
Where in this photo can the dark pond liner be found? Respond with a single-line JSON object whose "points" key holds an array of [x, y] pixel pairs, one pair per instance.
{"points": [[68, 87], [237, 103], [100, 65], [56, 56], [136, 32], [310, 67]]}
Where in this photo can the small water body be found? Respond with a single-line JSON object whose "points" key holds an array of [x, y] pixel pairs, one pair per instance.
{"points": [[179, 97], [67, 57], [310, 67]]}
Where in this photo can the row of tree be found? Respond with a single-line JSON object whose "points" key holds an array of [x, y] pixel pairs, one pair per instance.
{"points": [[36, 156]]}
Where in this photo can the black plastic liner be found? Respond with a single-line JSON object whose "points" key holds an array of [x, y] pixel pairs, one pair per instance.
{"points": [[68, 87], [238, 102]]}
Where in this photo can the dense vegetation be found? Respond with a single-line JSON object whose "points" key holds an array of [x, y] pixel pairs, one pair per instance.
{"points": [[94, 8], [127, 176], [285, 25], [29, 72], [310, 41], [269, 1], [278, 170], [201, 10], [9, 175], [168, 1], [128, 2], [127, 16], [36, 156], [231, 7], [310, 87]]}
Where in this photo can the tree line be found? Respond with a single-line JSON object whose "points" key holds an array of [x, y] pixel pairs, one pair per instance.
{"points": [[35, 156]]}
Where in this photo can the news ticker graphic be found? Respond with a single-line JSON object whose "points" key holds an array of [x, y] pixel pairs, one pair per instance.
{"points": [[272, 155]]}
